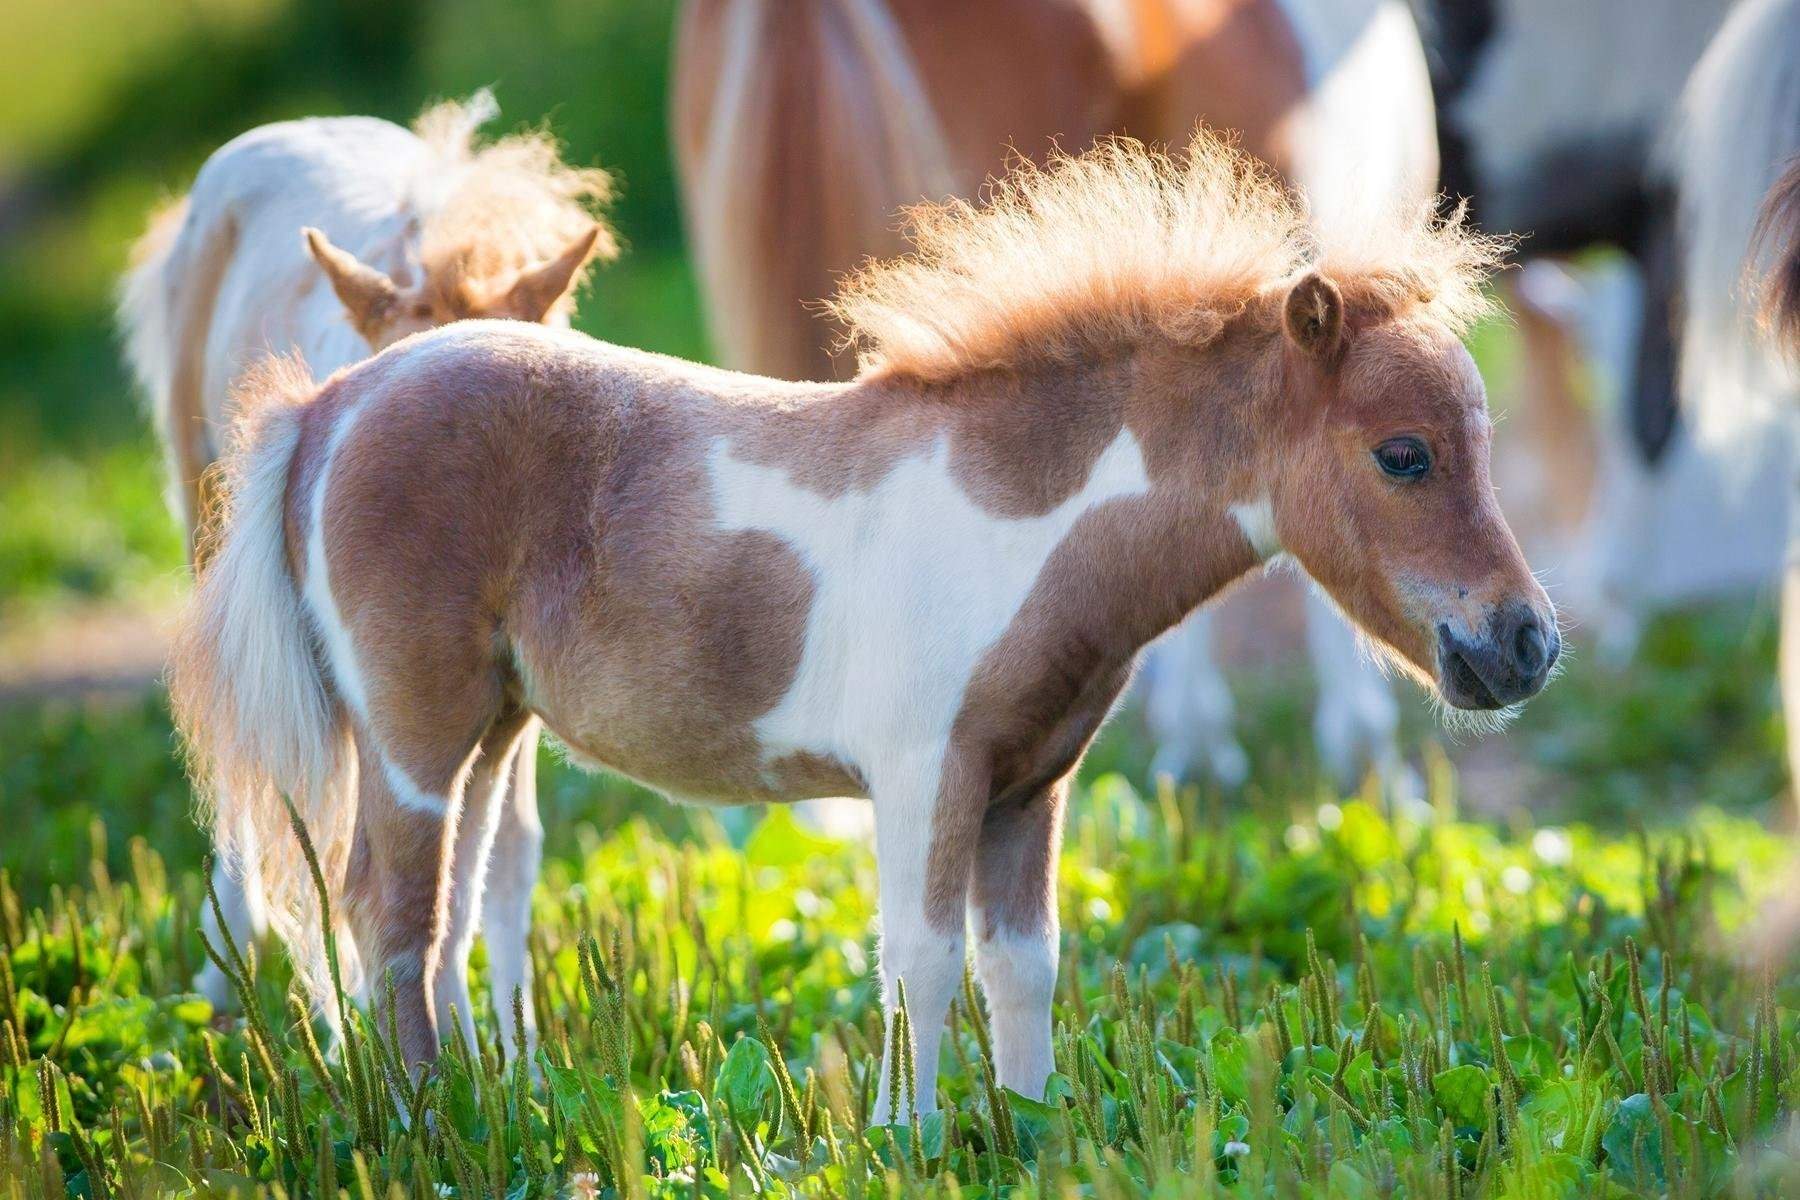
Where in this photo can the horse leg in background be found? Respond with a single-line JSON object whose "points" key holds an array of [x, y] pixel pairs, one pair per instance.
{"points": [[485, 797], [924, 875], [1188, 708], [1012, 909], [512, 872], [1357, 719], [240, 902]]}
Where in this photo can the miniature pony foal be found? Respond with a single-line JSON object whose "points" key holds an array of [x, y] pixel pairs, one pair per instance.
{"points": [[1082, 411]]}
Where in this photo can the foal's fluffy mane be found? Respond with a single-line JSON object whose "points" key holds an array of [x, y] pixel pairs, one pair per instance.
{"points": [[1104, 248], [505, 205]]}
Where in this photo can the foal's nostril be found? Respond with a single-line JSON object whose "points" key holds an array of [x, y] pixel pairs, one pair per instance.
{"points": [[1530, 648]]}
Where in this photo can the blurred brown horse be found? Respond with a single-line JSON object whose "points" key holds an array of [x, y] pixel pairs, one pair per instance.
{"points": [[802, 126]]}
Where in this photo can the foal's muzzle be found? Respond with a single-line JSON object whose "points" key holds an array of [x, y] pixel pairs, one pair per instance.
{"points": [[1508, 661]]}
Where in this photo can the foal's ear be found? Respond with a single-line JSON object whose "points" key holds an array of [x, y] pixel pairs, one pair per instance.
{"points": [[537, 289], [367, 295], [1314, 316]]}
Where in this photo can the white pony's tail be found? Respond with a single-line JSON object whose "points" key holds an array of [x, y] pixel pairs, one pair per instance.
{"points": [[1776, 251], [146, 311], [260, 721], [144, 302], [1738, 126]]}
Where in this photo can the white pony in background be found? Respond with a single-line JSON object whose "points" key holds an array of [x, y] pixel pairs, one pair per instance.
{"points": [[1552, 114], [1738, 132], [333, 237]]}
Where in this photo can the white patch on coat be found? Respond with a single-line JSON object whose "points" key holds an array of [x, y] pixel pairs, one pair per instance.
{"points": [[913, 582], [1256, 519], [334, 637]]}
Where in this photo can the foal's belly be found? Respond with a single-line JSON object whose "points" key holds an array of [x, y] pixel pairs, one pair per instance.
{"points": [[712, 767]]}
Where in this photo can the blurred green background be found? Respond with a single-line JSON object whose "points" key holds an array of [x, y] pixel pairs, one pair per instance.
{"points": [[119, 103]]}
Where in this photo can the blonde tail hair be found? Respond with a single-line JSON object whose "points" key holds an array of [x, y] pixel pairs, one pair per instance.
{"points": [[260, 721]]}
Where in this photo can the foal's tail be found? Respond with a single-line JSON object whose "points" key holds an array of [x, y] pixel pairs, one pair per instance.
{"points": [[1776, 249], [261, 723]]}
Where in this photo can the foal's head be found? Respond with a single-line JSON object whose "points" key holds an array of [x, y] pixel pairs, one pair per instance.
{"points": [[1381, 491], [507, 231], [1318, 370], [384, 309]]}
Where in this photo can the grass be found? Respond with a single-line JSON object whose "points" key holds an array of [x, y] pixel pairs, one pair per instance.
{"points": [[1351, 1003], [1287, 992]]}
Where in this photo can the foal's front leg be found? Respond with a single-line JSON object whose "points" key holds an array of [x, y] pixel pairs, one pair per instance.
{"points": [[1012, 909], [924, 811]]}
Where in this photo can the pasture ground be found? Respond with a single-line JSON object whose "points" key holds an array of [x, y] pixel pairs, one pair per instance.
{"points": [[1540, 982]]}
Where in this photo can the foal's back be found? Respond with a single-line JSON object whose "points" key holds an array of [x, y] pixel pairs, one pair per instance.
{"points": [[495, 516]]}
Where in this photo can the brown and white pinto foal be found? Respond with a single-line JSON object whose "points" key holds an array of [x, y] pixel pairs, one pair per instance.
{"points": [[404, 230], [1083, 410]]}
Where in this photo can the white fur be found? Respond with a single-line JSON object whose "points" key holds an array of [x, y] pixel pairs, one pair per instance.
{"points": [[1366, 140], [367, 183], [1697, 525], [512, 870], [900, 596], [1256, 520], [1018, 977], [913, 583], [1189, 709], [1739, 125]]}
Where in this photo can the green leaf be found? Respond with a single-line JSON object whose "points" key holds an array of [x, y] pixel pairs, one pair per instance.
{"points": [[1231, 1066], [1036, 1123], [746, 1082], [1462, 1093]]}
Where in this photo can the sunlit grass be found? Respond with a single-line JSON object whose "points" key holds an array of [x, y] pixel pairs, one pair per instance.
{"points": [[1350, 1003]]}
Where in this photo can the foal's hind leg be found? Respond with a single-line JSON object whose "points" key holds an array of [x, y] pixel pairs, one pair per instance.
{"points": [[511, 874], [397, 892], [484, 800]]}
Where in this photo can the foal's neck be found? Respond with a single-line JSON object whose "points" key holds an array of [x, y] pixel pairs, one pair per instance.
{"points": [[1146, 464]]}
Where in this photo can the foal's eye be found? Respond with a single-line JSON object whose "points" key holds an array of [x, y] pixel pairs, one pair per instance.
{"points": [[1403, 458]]}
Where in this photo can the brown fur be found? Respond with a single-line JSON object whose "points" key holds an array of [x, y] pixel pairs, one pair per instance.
{"points": [[848, 110]]}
